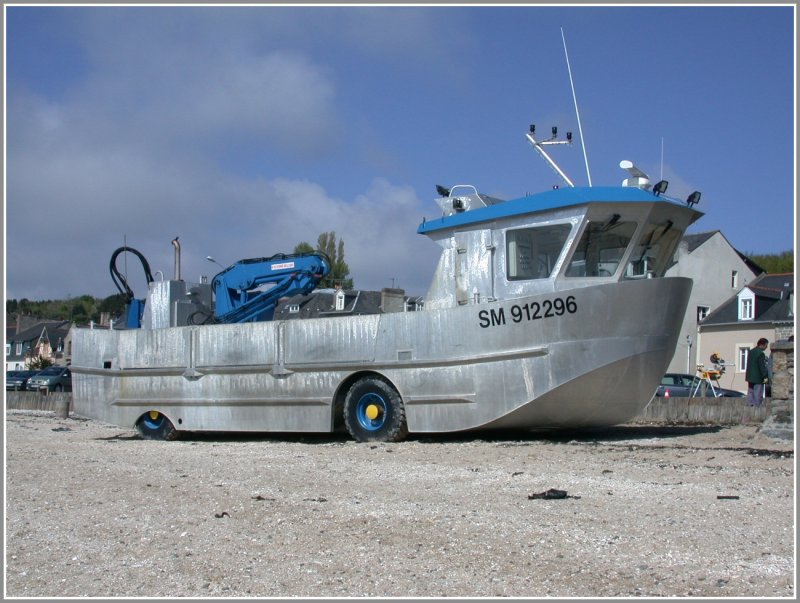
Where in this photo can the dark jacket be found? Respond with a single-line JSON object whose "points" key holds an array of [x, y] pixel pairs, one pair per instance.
{"points": [[756, 366]]}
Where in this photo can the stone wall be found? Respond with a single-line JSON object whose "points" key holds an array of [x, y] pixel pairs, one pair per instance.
{"points": [[704, 411], [779, 423], [782, 370], [38, 401]]}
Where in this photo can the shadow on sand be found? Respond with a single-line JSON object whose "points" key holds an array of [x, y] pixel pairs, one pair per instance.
{"points": [[340, 438]]}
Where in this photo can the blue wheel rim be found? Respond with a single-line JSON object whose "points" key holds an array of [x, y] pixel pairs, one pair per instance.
{"points": [[366, 401], [152, 424]]}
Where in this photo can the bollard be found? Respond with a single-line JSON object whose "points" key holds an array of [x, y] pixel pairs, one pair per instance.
{"points": [[62, 407]]}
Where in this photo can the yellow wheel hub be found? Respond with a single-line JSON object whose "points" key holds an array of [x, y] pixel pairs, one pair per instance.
{"points": [[372, 412], [154, 415]]}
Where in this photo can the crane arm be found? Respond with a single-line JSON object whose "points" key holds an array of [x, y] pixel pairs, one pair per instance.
{"points": [[240, 293]]}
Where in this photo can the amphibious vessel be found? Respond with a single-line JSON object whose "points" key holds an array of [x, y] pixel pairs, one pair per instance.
{"points": [[547, 311]]}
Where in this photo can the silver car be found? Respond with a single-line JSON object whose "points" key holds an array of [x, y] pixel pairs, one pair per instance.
{"points": [[54, 379], [17, 380]]}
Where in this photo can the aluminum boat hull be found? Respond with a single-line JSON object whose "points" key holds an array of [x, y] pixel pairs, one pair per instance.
{"points": [[584, 357]]}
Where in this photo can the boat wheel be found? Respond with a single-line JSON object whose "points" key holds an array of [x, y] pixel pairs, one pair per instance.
{"points": [[373, 412], [155, 426]]}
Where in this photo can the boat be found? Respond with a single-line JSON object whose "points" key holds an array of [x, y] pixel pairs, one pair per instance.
{"points": [[548, 311]]}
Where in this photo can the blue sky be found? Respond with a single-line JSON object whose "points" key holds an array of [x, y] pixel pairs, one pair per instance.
{"points": [[246, 130]]}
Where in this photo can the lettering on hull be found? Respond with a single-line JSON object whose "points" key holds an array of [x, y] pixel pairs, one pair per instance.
{"points": [[549, 308]]}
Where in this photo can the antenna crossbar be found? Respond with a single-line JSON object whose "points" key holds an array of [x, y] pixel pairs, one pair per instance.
{"points": [[538, 148]]}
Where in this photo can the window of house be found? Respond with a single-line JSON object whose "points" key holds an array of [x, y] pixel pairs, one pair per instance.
{"points": [[741, 357], [294, 308], [601, 248], [532, 253], [8, 349], [339, 299], [19, 349], [702, 312], [746, 308], [734, 279]]}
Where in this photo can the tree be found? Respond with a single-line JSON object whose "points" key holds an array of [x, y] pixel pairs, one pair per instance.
{"points": [[774, 263], [24, 306], [340, 271], [303, 248], [38, 363], [113, 304], [78, 313]]}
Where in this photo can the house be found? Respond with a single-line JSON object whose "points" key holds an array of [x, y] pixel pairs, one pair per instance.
{"points": [[718, 271], [763, 308], [47, 339], [16, 323]]}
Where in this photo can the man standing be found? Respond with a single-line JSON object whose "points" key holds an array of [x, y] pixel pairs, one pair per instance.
{"points": [[757, 373]]}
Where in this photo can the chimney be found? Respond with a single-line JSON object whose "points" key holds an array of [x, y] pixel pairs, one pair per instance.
{"points": [[392, 300]]}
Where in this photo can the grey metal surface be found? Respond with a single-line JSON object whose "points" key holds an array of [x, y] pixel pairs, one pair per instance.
{"points": [[455, 369]]}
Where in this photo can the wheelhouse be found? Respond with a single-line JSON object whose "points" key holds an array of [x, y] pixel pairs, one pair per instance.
{"points": [[561, 239]]}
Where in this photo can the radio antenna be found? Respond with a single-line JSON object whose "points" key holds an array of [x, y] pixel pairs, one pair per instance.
{"points": [[575, 100]]}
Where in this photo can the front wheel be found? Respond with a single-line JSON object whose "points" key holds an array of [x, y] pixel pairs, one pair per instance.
{"points": [[374, 412], [155, 426]]}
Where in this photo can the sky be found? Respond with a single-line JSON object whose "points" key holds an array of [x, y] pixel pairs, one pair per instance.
{"points": [[245, 130]]}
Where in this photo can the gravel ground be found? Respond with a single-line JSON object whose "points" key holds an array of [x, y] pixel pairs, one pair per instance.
{"points": [[92, 510]]}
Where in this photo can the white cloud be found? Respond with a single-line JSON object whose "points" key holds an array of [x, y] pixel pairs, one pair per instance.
{"points": [[378, 229], [74, 206], [134, 149]]}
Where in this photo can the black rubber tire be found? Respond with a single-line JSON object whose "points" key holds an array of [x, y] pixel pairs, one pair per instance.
{"points": [[373, 393], [156, 428]]}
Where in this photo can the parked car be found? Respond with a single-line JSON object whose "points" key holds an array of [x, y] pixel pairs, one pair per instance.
{"points": [[679, 385], [18, 380], [54, 379]]}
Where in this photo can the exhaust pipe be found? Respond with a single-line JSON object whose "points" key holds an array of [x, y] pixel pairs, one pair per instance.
{"points": [[177, 247]]}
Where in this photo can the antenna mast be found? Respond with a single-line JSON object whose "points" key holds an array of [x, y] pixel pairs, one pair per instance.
{"points": [[575, 100]]}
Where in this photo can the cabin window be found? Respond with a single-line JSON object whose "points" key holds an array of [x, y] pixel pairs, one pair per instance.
{"points": [[601, 248], [532, 253], [653, 251]]}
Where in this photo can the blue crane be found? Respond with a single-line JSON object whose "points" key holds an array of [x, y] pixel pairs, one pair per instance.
{"points": [[249, 290], [246, 291]]}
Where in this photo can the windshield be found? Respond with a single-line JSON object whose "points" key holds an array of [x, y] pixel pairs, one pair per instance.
{"points": [[653, 251], [601, 248]]}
